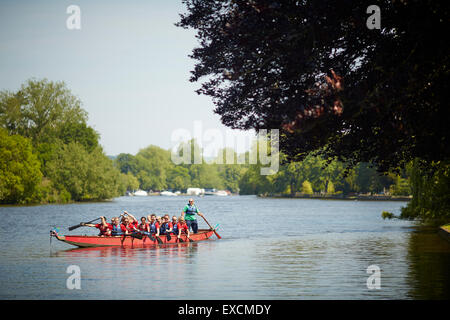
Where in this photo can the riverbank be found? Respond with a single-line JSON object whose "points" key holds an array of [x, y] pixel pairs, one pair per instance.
{"points": [[339, 197]]}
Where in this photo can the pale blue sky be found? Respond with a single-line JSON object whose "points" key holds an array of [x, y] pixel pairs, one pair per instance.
{"points": [[128, 64]]}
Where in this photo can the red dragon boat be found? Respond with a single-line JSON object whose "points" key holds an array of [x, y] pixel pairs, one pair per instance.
{"points": [[128, 240]]}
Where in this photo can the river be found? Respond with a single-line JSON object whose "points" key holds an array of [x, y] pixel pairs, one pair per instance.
{"points": [[270, 249]]}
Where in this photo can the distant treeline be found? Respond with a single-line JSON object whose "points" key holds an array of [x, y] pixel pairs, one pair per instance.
{"points": [[49, 154], [152, 169]]}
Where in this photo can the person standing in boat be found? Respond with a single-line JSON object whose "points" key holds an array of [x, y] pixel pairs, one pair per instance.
{"points": [[188, 214], [104, 227]]}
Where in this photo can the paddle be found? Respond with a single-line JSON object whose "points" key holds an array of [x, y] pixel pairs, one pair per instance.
{"points": [[148, 234], [81, 224], [159, 239], [137, 235], [217, 235]]}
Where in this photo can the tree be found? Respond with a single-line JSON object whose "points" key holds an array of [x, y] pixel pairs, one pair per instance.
{"points": [[45, 111], [431, 193], [178, 178], [314, 70], [84, 175], [19, 169], [126, 163], [152, 165], [306, 187]]}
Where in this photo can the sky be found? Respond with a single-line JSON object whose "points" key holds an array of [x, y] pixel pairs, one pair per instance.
{"points": [[128, 64]]}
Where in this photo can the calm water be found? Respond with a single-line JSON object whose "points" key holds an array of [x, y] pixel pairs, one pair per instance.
{"points": [[271, 249]]}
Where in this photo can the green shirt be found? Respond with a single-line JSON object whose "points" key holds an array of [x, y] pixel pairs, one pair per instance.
{"points": [[190, 216]]}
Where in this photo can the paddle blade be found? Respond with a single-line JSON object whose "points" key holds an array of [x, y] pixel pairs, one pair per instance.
{"points": [[74, 227], [137, 236], [159, 240]]}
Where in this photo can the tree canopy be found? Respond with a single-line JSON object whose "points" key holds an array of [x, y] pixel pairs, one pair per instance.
{"points": [[316, 71], [49, 153], [19, 169]]}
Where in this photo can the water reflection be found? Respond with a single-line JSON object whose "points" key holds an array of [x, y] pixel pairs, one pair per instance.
{"points": [[320, 251], [429, 257], [129, 254]]}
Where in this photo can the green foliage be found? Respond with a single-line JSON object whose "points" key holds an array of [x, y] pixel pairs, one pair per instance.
{"points": [[306, 187], [128, 182], [430, 185], [387, 215], [330, 187], [315, 71], [19, 169], [86, 176], [45, 111], [56, 155], [178, 178]]}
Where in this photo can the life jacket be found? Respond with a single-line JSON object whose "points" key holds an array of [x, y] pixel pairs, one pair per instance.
{"points": [[116, 230], [191, 210], [175, 228], [164, 228], [153, 227]]}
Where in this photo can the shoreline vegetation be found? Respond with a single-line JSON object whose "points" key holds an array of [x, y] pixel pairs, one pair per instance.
{"points": [[362, 197]]}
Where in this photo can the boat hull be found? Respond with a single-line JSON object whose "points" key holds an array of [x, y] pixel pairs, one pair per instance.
{"points": [[128, 241]]}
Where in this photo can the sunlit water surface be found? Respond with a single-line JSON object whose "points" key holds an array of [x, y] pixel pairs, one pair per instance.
{"points": [[270, 249]]}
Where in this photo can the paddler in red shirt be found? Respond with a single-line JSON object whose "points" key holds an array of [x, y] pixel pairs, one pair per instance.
{"points": [[129, 222], [104, 227], [143, 226], [182, 227]]}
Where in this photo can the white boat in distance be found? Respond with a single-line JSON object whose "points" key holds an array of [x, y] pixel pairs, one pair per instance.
{"points": [[140, 193], [168, 194], [221, 193]]}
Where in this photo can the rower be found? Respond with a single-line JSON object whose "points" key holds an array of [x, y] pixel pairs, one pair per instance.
{"points": [[175, 225], [154, 225], [144, 226], [182, 228], [117, 229], [104, 227], [130, 222], [166, 226]]}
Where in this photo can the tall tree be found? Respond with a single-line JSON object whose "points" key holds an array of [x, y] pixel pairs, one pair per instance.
{"points": [[316, 71]]}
